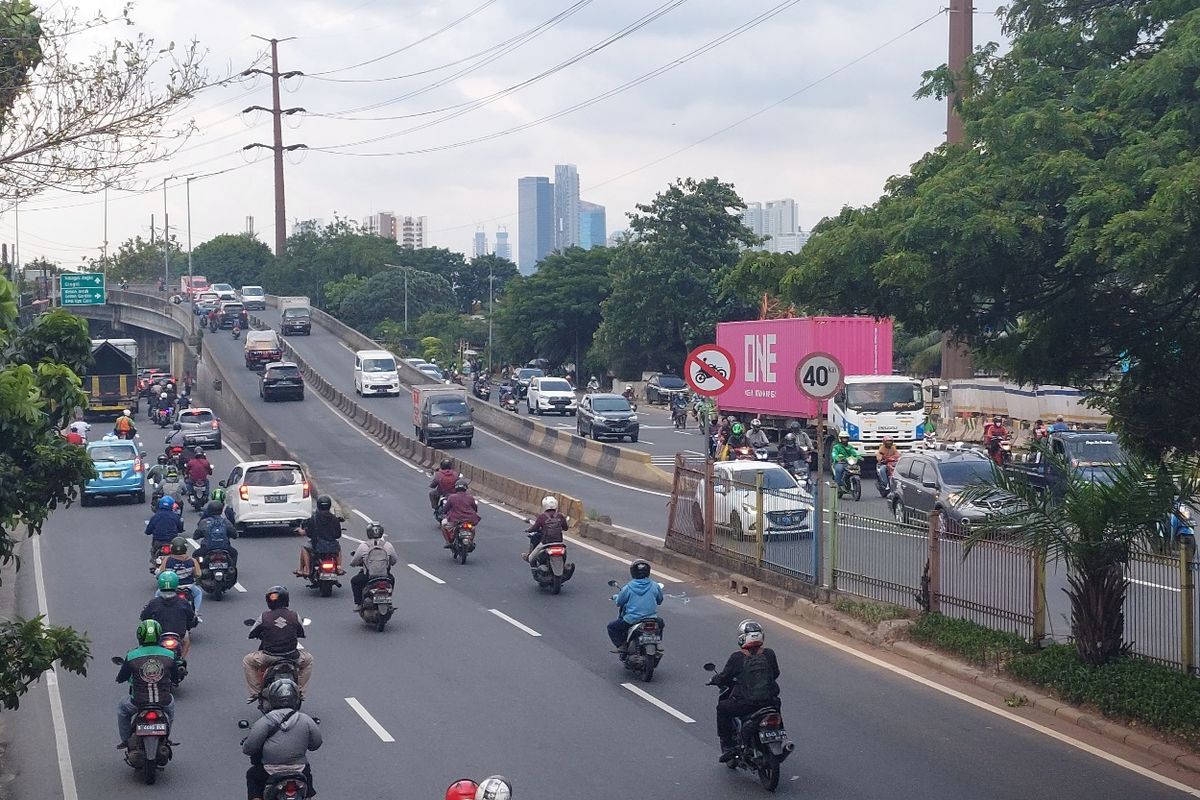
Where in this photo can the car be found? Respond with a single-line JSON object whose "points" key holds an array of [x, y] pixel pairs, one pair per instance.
{"points": [[925, 480], [262, 348], [267, 494], [205, 302], [200, 426], [416, 362], [660, 388], [281, 379], [606, 415], [524, 376], [550, 395], [375, 373], [254, 298], [787, 507], [225, 291], [120, 471], [433, 371], [232, 312]]}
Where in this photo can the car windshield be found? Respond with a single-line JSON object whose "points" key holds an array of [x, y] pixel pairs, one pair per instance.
{"points": [[1095, 451], [234, 307], [295, 312], [554, 386], [252, 291], [774, 479], [112, 453], [430, 370], [671, 382], [447, 407], [222, 287], [610, 404], [526, 374], [883, 396], [378, 365], [273, 476], [195, 417], [208, 296], [965, 473], [283, 372]]}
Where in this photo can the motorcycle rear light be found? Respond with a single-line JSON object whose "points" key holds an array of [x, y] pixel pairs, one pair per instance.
{"points": [[151, 715], [306, 488], [468, 526], [327, 566], [244, 492], [291, 788], [650, 627], [170, 644], [166, 548], [771, 721], [557, 551]]}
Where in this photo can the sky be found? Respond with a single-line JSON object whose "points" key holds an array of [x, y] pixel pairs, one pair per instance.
{"points": [[852, 66]]}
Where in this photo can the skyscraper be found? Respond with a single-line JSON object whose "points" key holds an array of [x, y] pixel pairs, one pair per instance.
{"points": [[535, 221], [566, 206], [382, 224], [778, 221], [503, 248], [410, 232], [592, 228], [479, 247]]}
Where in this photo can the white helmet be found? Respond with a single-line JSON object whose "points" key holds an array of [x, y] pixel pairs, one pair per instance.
{"points": [[756, 423], [162, 396], [549, 503], [750, 633], [495, 787], [125, 413]]}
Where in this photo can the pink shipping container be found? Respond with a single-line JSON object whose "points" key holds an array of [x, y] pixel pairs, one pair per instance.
{"points": [[766, 354]]}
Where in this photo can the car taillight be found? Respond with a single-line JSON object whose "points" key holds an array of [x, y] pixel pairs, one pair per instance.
{"points": [[771, 721], [557, 551], [152, 715], [305, 487], [244, 492], [216, 423]]}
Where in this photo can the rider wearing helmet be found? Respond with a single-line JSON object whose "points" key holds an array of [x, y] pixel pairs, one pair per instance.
{"points": [[442, 483], [736, 439], [164, 526], [549, 526], [376, 557], [494, 787], [757, 437], [751, 675], [462, 789], [841, 452], [213, 531], [176, 437], [886, 457], [460, 507], [323, 530], [280, 740], [791, 455], [279, 631], [628, 393], [150, 671], [123, 427], [186, 569], [198, 469], [638, 600], [171, 611]]}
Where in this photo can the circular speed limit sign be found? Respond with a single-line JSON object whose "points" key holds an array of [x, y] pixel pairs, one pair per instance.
{"points": [[819, 376]]}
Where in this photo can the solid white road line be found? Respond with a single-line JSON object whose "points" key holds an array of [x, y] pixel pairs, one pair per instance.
{"points": [[372, 723], [232, 452], [513, 622], [429, 575], [966, 698], [654, 701], [66, 770], [658, 574], [362, 516], [658, 539]]}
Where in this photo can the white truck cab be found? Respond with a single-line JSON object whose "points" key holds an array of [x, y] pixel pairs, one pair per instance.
{"points": [[869, 407], [375, 374]]}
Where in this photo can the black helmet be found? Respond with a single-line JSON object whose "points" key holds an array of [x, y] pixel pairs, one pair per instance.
{"points": [[198, 451], [640, 568], [461, 484], [324, 503], [178, 546], [277, 597], [374, 531], [177, 427], [283, 693], [162, 459], [447, 463], [214, 507]]}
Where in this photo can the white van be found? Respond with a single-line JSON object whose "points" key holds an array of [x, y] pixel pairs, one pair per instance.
{"points": [[375, 373]]}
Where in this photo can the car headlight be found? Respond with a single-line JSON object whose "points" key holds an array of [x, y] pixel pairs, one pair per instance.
{"points": [[468, 424], [434, 425], [633, 417]]}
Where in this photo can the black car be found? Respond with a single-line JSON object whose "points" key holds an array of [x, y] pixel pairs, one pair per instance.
{"points": [[606, 415], [925, 480], [281, 379], [231, 312], [661, 388], [524, 376]]}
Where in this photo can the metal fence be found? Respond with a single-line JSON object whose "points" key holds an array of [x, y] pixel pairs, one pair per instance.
{"points": [[880, 559], [996, 584]]}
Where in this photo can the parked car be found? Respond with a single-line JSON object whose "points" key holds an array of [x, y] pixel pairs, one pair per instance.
{"points": [[925, 480], [265, 494], [524, 376], [787, 506], [606, 415], [281, 379], [200, 426], [432, 371], [120, 471], [660, 388], [550, 395]]}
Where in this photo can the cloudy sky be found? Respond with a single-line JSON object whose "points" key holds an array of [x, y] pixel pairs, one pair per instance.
{"points": [[832, 144]]}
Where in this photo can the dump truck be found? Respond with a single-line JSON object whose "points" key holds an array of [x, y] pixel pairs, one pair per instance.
{"points": [[111, 383]]}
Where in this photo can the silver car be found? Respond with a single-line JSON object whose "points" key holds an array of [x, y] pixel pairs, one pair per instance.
{"points": [[200, 426]]}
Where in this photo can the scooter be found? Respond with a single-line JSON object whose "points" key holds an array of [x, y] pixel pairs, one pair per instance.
{"points": [[549, 566], [883, 477], [851, 482], [377, 606], [236, 332], [283, 785], [280, 669], [760, 742], [323, 572], [679, 417], [463, 541], [217, 573], [643, 648], [509, 402], [160, 555], [199, 495], [149, 748]]}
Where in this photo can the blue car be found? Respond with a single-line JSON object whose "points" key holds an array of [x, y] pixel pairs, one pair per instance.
{"points": [[120, 470]]}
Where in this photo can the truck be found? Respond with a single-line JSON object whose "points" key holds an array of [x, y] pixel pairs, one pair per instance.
{"points": [[441, 414], [295, 315], [111, 382], [262, 347], [194, 283], [871, 404]]}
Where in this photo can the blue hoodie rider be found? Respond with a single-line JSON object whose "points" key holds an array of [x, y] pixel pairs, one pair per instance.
{"points": [[164, 526], [638, 600]]}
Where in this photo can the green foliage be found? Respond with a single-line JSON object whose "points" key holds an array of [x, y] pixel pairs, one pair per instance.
{"points": [[968, 640], [433, 349], [756, 273], [868, 612], [139, 261], [317, 258], [919, 354], [452, 329], [382, 297], [339, 290], [234, 258], [29, 647]]}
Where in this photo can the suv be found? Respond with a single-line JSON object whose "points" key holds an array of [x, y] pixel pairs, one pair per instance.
{"points": [[224, 291], [120, 470], [265, 494], [606, 415], [524, 376], [661, 388], [231, 312], [925, 480], [200, 426], [281, 379], [550, 394]]}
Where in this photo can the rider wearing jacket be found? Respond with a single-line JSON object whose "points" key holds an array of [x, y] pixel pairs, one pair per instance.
{"points": [[372, 567], [279, 742], [323, 530], [150, 672], [442, 483], [841, 453], [186, 568], [171, 611], [460, 507], [197, 470], [213, 531], [548, 528], [164, 526], [638, 600], [757, 437], [751, 674], [885, 459], [279, 632]]}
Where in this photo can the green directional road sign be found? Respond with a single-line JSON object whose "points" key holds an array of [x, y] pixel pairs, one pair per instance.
{"points": [[82, 289]]}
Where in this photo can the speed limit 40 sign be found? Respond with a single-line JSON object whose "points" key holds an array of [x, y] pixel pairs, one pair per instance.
{"points": [[819, 376]]}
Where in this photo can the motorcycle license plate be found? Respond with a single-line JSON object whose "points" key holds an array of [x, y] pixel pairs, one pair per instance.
{"points": [[151, 729], [771, 736], [276, 498], [650, 637], [383, 601]]}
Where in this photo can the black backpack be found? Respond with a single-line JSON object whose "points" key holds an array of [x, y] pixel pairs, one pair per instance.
{"points": [[756, 683]]}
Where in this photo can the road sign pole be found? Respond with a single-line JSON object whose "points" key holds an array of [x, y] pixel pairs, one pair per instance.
{"points": [[818, 504]]}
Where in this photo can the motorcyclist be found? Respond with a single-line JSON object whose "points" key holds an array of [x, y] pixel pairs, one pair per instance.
{"points": [[150, 671], [886, 457], [462, 789], [198, 469], [460, 507], [442, 483], [494, 787], [752, 674], [214, 532], [186, 569], [801, 435], [1059, 424], [593, 385], [735, 440], [176, 437], [376, 557], [278, 630], [679, 406], [757, 437], [993, 435], [841, 453], [638, 600], [280, 740], [213, 320], [628, 393], [164, 403], [791, 455], [548, 528], [123, 427], [237, 328], [164, 526], [507, 392], [171, 611], [323, 530]]}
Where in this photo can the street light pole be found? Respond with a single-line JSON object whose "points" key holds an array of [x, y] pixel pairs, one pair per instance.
{"points": [[491, 301], [166, 240], [188, 192]]}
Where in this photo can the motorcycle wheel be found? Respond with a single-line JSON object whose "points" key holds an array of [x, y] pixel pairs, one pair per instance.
{"points": [[150, 767], [647, 668], [217, 594], [326, 588], [883, 490], [380, 621], [856, 489], [462, 555], [555, 584], [768, 773]]}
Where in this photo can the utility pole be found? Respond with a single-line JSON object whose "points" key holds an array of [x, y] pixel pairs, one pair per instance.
{"points": [[166, 241], [956, 359], [188, 194], [277, 147]]}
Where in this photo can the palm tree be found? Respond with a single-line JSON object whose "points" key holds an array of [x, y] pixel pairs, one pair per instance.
{"points": [[1093, 522]]}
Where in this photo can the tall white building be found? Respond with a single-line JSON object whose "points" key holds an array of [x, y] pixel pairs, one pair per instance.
{"points": [[503, 248], [566, 206], [381, 224], [778, 221], [410, 232], [479, 247]]}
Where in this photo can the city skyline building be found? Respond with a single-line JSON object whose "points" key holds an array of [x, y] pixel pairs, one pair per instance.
{"points": [[592, 225], [382, 223], [535, 221], [566, 206], [778, 221], [479, 246], [410, 232], [503, 247]]}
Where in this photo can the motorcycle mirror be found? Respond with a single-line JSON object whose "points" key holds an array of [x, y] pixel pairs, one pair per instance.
{"points": [[120, 662], [612, 583], [221, 484], [710, 666], [661, 586], [142, 454], [248, 622], [306, 622], [243, 724]]}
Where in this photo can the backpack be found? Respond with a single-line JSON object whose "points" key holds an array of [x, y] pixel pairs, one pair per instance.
{"points": [[755, 683], [216, 532], [376, 562]]}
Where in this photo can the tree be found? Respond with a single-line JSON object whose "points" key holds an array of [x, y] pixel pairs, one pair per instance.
{"points": [[383, 296], [555, 311], [337, 291], [1061, 241], [139, 261], [667, 280], [39, 391], [317, 258], [449, 327], [235, 258], [472, 284]]}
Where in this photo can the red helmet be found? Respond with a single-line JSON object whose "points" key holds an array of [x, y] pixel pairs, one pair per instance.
{"points": [[462, 789]]}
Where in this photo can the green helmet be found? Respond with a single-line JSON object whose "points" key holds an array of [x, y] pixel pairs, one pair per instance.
{"points": [[218, 495], [149, 631], [738, 429], [168, 581]]}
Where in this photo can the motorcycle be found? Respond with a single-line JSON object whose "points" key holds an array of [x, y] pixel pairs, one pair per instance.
{"points": [[284, 668], [217, 573], [323, 572], [549, 566], [170, 480], [149, 748], [760, 742], [283, 785], [800, 471], [160, 555], [851, 482], [175, 456], [999, 449], [173, 642], [679, 417], [643, 648], [883, 477], [483, 391], [377, 606], [236, 331], [199, 495], [509, 403], [593, 386], [162, 416], [744, 453], [762, 454], [129, 434], [463, 541]]}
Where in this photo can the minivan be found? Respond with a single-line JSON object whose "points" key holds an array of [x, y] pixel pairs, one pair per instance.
{"points": [[254, 298], [375, 374]]}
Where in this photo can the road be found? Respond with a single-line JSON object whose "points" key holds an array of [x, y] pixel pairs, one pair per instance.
{"points": [[458, 689]]}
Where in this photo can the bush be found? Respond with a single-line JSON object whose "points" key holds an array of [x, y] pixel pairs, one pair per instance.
{"points": [[973, 642], [870, 613]]}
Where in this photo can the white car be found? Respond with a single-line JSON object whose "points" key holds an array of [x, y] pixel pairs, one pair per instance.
{"points": [[416, 362], [551, 395], [267, 494], [787, 507], [224, 291]]}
